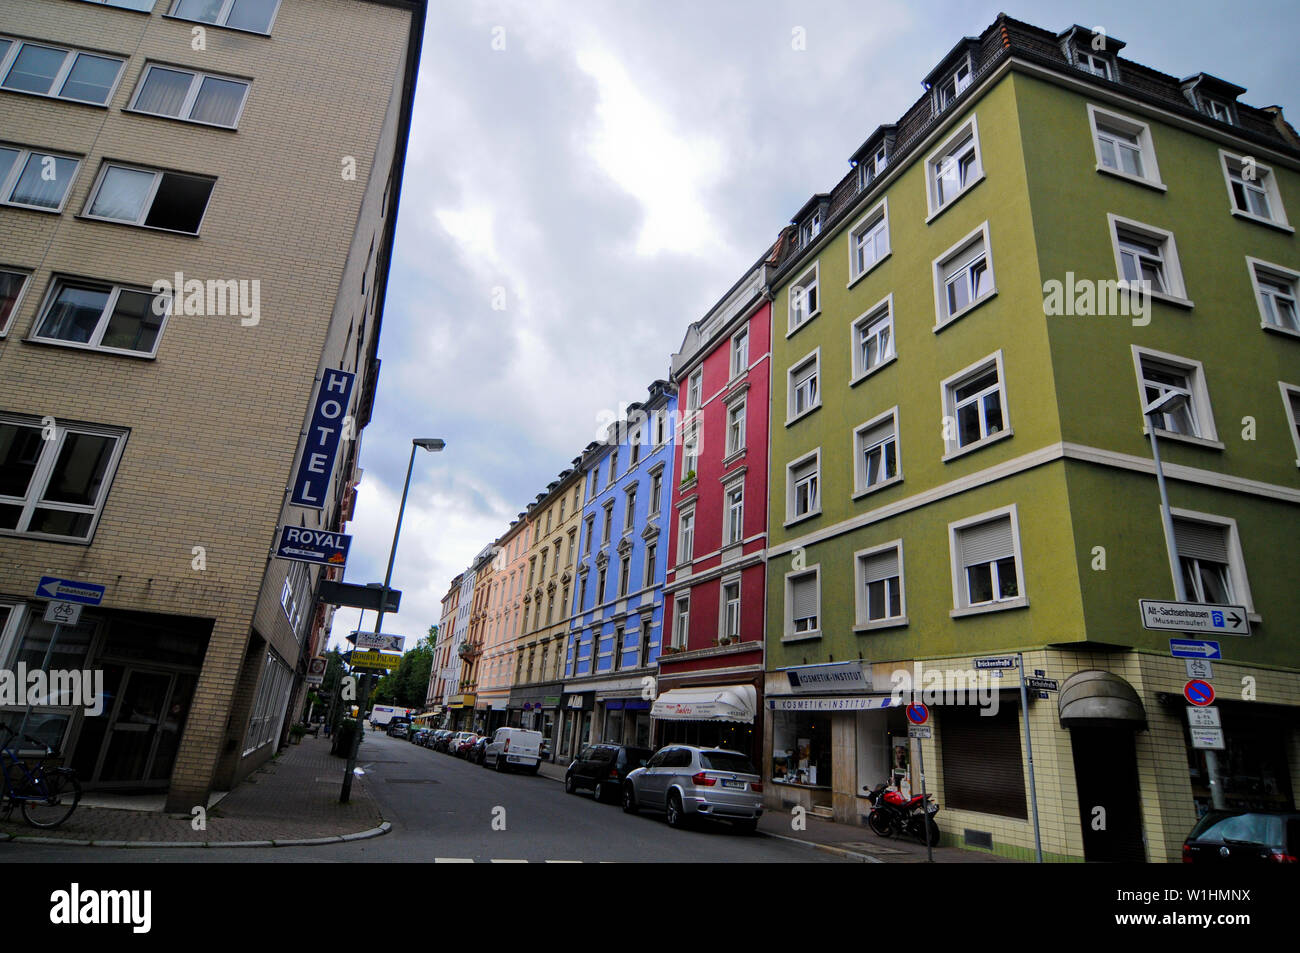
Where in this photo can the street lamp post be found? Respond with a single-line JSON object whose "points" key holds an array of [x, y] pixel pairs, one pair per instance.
{"points": [[431, 444], [1165, 403]]}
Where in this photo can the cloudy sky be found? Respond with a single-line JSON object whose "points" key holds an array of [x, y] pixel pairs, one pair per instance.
{"points": [[607, 175]]}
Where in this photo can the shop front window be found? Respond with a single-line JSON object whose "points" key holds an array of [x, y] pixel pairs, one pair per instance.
{"points": [[801, 748]]}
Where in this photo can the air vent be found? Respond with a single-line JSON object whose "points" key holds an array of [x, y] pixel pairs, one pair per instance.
{"points": [[977, 839]]}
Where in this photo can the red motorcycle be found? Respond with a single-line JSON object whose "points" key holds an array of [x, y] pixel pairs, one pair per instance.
{"points": [[893, 815]]}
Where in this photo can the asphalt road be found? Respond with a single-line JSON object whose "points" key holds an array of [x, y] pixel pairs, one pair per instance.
{"points": [[444, 809]]}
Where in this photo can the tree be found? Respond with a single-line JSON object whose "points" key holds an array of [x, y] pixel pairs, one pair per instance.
{"points": [[408, 685]]}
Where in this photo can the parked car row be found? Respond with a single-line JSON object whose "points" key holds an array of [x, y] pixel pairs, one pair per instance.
{"points": [[683, 782]]}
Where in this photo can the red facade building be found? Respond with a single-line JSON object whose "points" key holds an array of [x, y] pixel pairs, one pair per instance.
{"points": [[711, 671]]}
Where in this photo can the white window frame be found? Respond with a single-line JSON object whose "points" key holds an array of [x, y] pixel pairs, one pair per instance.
{"points": [[810, 278], [1236, 559], [223, 14], [57, 282], [790, 491], [681, 632], [947, 151], [1214, 105], [629, 510], [941, 99], [649, 563], [1202, 407], [606, 531], [1276, 274], [875, 221], [685, 535], [880, 313], [736, 435], [1087, 59], [44, 469], [961, 605], [187, 107], [870, 169], [860, 487], [147, 205], [740, 352], [26, 275], [810, 229], [724, 606], [947, 394], [25, 154], [1266, 181], [1164, 239], [70, 54], [733, 528], [813, 357], [963, 250], [1107, 121], [862, 623], [1290, 391], [788, 632], [656, 489], [690, 450]]}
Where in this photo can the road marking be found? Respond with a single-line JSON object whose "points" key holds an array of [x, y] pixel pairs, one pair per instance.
{"points": [[453, 860], [495, 861]]}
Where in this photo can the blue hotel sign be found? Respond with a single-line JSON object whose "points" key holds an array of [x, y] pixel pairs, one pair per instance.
{"points": [[313, 546], [312, 478]]}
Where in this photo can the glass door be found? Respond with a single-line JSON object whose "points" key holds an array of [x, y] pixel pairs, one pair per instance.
{"points": [[137, 724]]}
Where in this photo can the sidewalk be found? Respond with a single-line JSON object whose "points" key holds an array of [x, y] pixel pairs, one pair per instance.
{"points": [[845, 840], [291, 799]]}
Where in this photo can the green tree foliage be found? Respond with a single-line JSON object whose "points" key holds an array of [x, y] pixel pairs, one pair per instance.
{"points": [[408, 685]]}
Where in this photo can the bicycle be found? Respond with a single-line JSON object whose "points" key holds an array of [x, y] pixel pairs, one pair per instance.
{"points": [[48, 796]]}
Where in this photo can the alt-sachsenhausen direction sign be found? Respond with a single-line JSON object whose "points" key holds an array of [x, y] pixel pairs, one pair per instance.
{"points": [[1194, 617]]}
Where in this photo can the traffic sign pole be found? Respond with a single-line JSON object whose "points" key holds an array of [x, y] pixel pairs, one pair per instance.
{"points": [[925, 802], [1029, 750], [45, 664]]}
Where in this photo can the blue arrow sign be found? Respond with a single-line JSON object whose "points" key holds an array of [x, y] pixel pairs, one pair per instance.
{"points": [[70, 590], [1193, 648]]}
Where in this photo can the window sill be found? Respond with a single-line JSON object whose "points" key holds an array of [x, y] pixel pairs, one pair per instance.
{"points": [[35, 208], [147, 228], [1261, 220], [1135, 179], [806, 516], [792, 420], [802, 636], [892, 623], [802, 324], [68, 99], [874, 265], [1205, 442], [878, 486], [1278, 329], [977, 445], [954, 318], [220, 26], [73, 345], [936, 212], [1020, 602], [188, 122], [734, 457], [1174, 300], [854, 382]]}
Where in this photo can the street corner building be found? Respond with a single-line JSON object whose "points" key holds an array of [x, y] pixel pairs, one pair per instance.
{"points": [[198, 204], [969, 331]]}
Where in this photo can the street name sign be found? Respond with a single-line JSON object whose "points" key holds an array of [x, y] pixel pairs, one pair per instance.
{"points": [[1194, 617], [379, 641], [1194, 648], [999, 661], [70, 590], [316, 546], [1041, 684]]}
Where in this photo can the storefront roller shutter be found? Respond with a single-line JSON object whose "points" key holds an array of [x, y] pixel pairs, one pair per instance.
{"points": [[987, 542], [803, 596], [982, 769], [1201, 541]]}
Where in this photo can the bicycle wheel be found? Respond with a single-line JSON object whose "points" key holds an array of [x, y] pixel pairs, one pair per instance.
{"points": [[62, 792]]}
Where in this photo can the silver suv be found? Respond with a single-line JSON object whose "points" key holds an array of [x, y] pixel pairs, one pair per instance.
{"points": [[686, 782]]}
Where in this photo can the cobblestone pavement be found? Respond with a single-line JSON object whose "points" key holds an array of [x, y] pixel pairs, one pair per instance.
{"points": [[293, 797]]}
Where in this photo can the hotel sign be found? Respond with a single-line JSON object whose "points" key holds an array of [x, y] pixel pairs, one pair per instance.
{"points": [[324, 434]]}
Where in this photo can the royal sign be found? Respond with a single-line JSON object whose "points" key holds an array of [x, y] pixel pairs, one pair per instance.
{"points": [[324, 434], [313, 546]]}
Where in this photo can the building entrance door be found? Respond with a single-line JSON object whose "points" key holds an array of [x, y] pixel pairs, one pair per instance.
{"points": [[1110, 809], [144, 729]]}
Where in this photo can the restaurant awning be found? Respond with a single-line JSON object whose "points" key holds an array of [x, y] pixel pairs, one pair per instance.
{"points": [[716, 703]]}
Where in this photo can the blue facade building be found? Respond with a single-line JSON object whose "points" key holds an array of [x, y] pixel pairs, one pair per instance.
{"points": [[618, 620]]}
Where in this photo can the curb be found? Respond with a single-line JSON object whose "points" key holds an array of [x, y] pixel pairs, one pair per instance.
{"points": [[813, 845], [379, 831]]}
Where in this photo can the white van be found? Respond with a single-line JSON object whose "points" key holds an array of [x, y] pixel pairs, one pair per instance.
{"points": [[514, 748]]}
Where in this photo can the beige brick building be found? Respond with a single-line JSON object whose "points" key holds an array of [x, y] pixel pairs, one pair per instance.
{"points": [[255, 146]]}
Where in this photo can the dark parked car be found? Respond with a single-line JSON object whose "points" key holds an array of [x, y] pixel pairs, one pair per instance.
{"points": [[417, 736], [444, 736], [397, 730], [1244, 837], [603, 768], [475, 755]]}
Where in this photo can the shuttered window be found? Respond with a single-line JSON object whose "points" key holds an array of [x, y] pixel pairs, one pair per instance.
{"points": [[987, 542], [803, 602], [1201, 540], [982, 768]]}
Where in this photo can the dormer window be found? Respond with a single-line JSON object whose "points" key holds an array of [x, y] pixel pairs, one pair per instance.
{"points": [[1217, 109], [870, 169], [811, 228], [1213, 97], [1094, 63], [952, 86]]}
